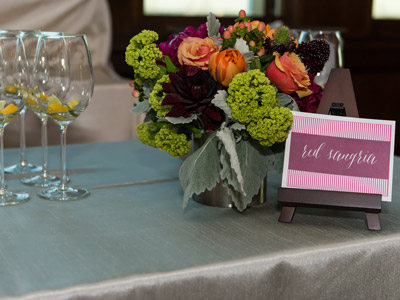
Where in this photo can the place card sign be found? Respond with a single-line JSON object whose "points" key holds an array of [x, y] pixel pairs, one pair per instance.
{"points": [[334, 153]]}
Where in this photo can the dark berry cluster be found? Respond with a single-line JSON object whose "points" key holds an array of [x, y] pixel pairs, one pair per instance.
{"points": [[314, 54], [290, 47]]}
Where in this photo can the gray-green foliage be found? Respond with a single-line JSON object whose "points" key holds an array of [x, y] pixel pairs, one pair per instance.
{"points": [[200, 171], [219, 101], [239, 165], [286, 101], [141, 107], [213, 26]]}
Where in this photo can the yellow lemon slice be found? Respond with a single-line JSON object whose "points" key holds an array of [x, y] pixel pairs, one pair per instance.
{"points": [[11, 108], [53, 99], [73, 103], [43, 97], [57, 108], [32, 101], [10, 89]]}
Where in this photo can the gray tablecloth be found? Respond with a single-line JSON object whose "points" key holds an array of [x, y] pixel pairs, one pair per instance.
{"points": [[134, 241]]}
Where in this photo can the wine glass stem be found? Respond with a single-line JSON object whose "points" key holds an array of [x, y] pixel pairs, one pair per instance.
{"points": [[22, 141], [44, 149], [3, 186], [63, 157]]}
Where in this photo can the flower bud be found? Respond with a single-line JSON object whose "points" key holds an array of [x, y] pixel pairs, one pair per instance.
{"points": [[242, 13], [242, 26], [227, 35], [231, 29], [261, 26], [248, 25], [261, 51], [252, 44], [135, 93], [132, 83]]}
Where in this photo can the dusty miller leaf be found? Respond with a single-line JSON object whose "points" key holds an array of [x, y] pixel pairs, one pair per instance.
{"points": [[200, 170], [228, 140], [213, 26], [147, 88], [238, 126], [227, 174], [286, 101], [254, 165], [219, 101], [243, 48], [181, 120], [241, 201], [141, 107]]}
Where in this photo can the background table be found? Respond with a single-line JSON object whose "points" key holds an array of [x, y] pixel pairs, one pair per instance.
{"points": [[131, 239]]}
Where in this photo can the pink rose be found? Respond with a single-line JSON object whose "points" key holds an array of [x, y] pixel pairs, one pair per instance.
{"points": [[289, 74], [196, 52]]}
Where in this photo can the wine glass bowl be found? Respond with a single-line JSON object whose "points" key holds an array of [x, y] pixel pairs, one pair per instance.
{"points": [[14, 87], [63, 87], [23, 166], [44, 179]]}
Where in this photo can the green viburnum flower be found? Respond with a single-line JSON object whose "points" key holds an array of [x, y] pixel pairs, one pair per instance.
{"points": [[168, 139], [272, 125], [146, 133], [142, 54], [145, 37], [248, 92], [157, 96]]}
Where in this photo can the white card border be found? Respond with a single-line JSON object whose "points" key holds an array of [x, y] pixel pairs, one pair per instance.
{"points": [[342, 118]]}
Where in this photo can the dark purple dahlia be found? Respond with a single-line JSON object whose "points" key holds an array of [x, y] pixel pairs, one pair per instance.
{"points": [[314, 54], [190, 92]]}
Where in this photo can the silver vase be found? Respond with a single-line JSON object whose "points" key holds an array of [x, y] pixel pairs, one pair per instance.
{"points": [[219, 196]]}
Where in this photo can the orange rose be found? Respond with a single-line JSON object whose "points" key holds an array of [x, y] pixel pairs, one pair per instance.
{"points": [[289, 75], [226, 64], [194, 51]]}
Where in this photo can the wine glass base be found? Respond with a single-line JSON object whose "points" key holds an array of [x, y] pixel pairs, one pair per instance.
{"points": [[13, 198], [17, 169], [56, 194], [39, 180]]}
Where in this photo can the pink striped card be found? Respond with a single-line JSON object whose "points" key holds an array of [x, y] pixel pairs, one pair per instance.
{"points": [[336, 153]]}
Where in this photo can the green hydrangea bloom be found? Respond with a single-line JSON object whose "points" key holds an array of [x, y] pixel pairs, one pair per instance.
{"points": [[146, 133], [142, 54], [249, 91], [145, 37], [168, 139], [157, 96], [272, 126]]}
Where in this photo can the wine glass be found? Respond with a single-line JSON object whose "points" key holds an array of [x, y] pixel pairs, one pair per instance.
{"points": [[14, 80], [23, 166], [63, 85], [334, 38], [301, 35], [44, 179]]}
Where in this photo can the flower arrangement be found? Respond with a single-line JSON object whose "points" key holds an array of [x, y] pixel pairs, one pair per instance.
{"points": [[233, 88]]}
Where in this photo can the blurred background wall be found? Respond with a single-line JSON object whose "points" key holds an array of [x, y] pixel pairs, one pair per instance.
{"points": [[371, 46]]}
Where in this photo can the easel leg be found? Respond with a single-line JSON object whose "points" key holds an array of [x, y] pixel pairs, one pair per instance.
{"points": [[373, 221], [287, 213]]}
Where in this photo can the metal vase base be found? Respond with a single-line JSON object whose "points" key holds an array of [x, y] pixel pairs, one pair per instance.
{"points": [[219, 197]]}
